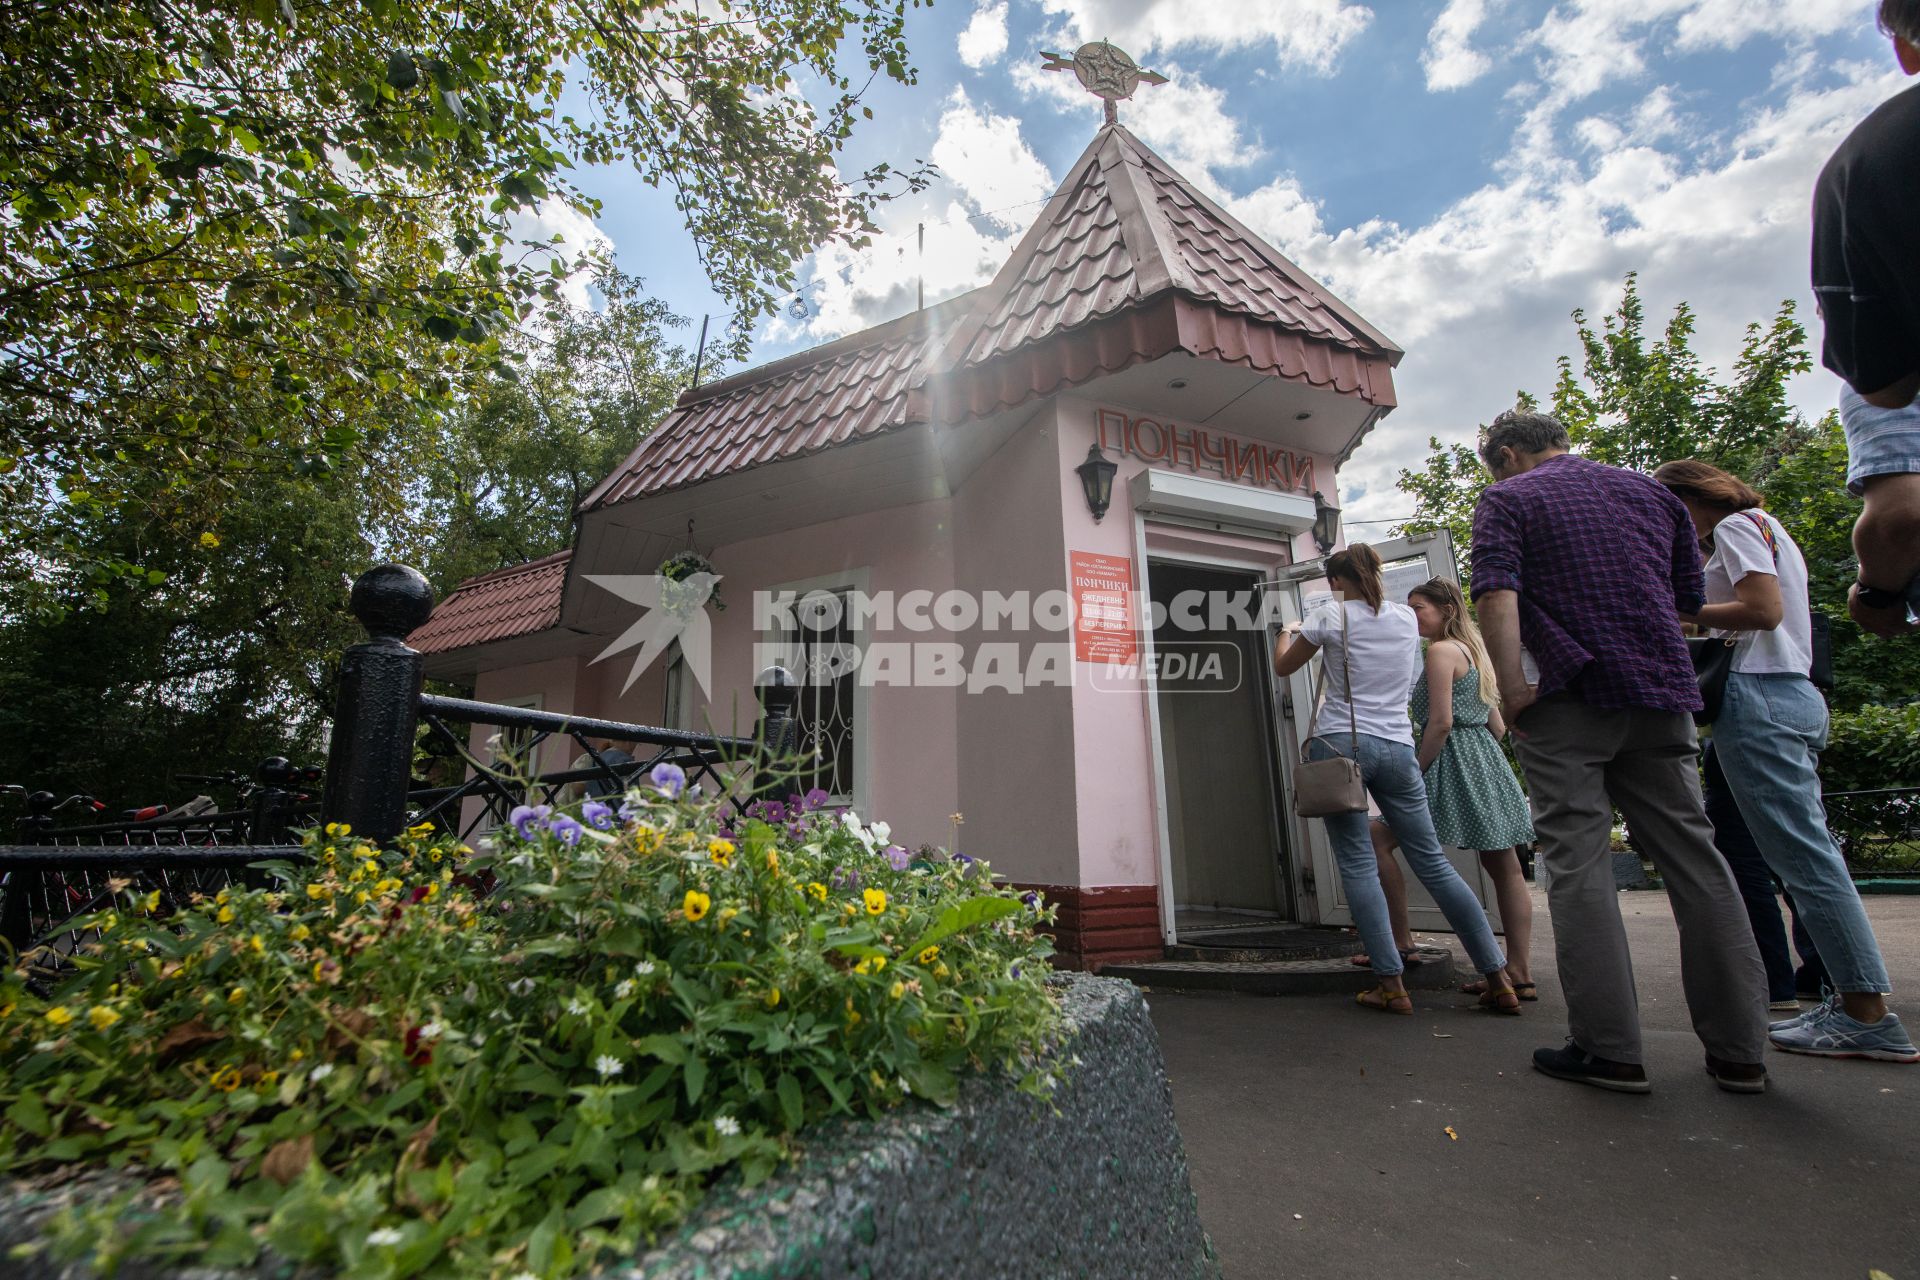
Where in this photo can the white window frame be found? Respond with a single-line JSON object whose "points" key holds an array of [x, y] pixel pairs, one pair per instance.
{"points": [[854, 580]]}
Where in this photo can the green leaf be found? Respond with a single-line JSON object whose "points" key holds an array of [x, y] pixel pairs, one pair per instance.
{"points": [[792, 1101], [964, 916], [27, 1113]]}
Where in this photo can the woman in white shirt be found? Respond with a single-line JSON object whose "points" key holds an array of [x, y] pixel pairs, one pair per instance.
{"points": [[1378, 642], [1767, 738]]}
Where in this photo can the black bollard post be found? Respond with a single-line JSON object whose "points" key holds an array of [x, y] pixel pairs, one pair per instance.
{"points": [[370, 759], [779, 736]]}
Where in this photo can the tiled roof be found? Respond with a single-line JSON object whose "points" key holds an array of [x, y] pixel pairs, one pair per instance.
{"points": [[1126, 263], [1124, 229], [509, 602], [857, 386]]}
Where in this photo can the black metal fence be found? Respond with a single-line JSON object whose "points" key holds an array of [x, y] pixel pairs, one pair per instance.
{"points": [[1878, 831], [61, 871]]}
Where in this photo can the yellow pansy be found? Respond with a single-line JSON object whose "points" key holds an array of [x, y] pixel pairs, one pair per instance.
{"points": [[316, 891], [696, 904], [872, 964], [257, 945], [152, 902], [927, 954], [875, 900], [300, 933], [225, 916], [59, 1016], [940, 970], [223, 897], [102, 1017], [338, 829], [817, 890], [897, 990], [226, 1079]]}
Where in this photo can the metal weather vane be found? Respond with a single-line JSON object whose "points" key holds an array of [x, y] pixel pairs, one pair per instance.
{"points": [[1104, 71]]}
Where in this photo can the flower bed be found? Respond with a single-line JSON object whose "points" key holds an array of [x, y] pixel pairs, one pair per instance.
{"points": [[522, 1062]]}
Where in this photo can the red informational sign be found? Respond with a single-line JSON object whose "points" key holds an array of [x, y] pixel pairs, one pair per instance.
{"points": [[1103, 627]]}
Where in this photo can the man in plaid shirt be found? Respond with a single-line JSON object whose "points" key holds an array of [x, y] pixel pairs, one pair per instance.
{"points": [[1585, 569]]}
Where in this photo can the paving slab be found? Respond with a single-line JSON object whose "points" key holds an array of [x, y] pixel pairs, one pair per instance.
{"points": [[1317, 1134]]}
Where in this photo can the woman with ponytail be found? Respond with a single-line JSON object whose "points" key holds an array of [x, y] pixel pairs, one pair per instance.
{"points": [[1372, 650], [1471, 791]]}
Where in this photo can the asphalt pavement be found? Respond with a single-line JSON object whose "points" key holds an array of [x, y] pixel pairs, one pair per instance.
{"points": [[1328, 1141]]}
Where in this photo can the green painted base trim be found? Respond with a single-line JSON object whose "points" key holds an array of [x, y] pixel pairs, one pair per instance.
{"points": [[1888, 884]]}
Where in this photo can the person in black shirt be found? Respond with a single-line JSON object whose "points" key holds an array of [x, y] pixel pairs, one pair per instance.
{"points": [[1866, 278]]}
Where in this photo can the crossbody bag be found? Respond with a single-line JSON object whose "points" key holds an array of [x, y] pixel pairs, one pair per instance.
{"points": [[1322, 788]]}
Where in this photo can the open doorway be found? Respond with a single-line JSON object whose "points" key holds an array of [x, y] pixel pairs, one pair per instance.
{"points": [[1212, 683]]}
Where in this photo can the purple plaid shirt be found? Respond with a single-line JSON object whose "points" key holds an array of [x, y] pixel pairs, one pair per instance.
{"points": [[1604, 561]]}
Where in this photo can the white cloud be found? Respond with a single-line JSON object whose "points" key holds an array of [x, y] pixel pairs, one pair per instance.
{"points": [[985, 37], [1450, 62], [1186, 120], [1479, 296], [1303, 33], [985, 158], [571, 233], [992, 184]]}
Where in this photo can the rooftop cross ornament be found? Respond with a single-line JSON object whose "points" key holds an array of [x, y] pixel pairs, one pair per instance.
{"points": [[1104, 71]]}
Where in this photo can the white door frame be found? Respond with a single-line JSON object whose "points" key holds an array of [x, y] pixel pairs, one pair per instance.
{"points": [[1247, 561]]}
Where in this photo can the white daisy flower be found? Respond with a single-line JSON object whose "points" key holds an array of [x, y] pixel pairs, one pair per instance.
{"points": [[520, 986], [726, 1126], [385, 1237], [608, 1065], [320, 1072], [433, 1030], [644, 968], [575, 1007], [623, 988]]}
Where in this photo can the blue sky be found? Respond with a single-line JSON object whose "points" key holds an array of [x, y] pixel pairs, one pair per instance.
{"points": [[1464, 172]]}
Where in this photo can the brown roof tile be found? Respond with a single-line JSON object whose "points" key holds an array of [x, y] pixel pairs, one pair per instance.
{"points": [[1124, 236], [509, 602]]}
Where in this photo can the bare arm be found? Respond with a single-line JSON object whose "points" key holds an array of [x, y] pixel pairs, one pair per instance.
{"points": [[1887, 540], [1443, 667], [1500, 627], [1757, 606], [1496, 723], [1291, 651]]}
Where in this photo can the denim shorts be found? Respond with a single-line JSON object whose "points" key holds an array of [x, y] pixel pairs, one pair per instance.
{"points": [[1880, 442]]}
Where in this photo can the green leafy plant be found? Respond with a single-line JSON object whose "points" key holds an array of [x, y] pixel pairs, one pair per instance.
{"points": [[526, 1061], [1872, 749]]}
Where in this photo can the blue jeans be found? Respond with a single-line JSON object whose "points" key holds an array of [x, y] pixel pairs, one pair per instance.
{"points": [[1768, 738], [1393, 779]]}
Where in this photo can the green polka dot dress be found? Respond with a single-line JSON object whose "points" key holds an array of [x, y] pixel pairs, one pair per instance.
{"points": [[1476, 802]]}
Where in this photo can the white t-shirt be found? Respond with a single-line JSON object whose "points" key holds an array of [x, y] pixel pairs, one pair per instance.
{"points": [[1384, 652], [1739, 548]]}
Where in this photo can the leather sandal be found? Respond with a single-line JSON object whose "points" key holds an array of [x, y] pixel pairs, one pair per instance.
{"points": [[1506, 1002], [1385, 1001]]}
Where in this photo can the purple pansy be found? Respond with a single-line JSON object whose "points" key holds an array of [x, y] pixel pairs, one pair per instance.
{"points": [[797, 830], [596, 815], [814, 799], [529, 819], [669, 779], [845, 878], [566, 829], [1032, 900], [897, 857]]}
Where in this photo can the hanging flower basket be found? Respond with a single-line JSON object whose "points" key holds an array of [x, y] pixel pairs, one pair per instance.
{"points": [[682, 592]]}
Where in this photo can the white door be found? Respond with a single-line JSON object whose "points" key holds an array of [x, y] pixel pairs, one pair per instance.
{"points": [[1408, 562]]}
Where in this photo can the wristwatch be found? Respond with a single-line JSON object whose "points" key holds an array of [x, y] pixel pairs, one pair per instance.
{"points": [[1876, 598]]}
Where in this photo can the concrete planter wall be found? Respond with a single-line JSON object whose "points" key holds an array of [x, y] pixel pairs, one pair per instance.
{"points": [[998, 1186]]}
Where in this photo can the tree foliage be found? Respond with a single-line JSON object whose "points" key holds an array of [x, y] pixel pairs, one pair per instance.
{"points": [[228, 655], [248, 234], [1640, 399]]}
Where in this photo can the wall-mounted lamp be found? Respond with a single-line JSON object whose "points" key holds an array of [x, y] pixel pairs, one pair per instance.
{"points": [[1096, 478], [1326, 523]]}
